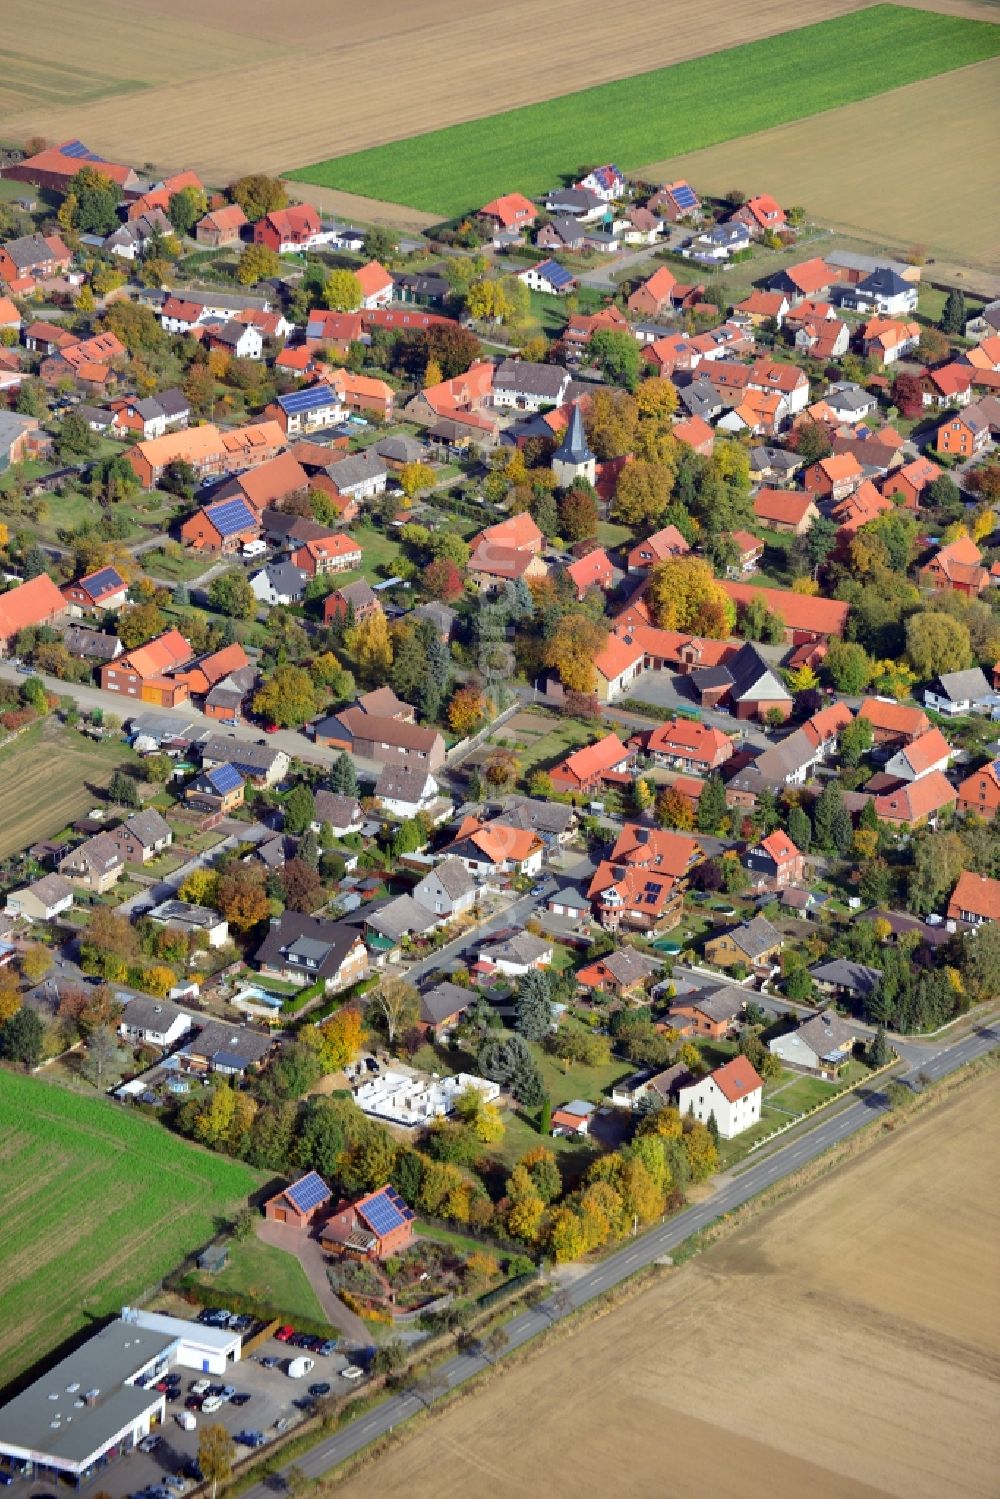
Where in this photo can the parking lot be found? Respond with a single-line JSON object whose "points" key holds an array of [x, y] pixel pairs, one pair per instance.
{"points": [[272, 1400]]}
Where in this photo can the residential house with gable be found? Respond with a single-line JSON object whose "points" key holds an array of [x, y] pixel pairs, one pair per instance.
{"points": [[733, 1093]]}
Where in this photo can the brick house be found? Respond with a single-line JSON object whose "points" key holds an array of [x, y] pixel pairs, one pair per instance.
{"points": [[299, 1204], [775, 862], [375, 1226]]}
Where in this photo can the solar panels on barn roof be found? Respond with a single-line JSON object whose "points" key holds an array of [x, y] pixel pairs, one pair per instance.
{"points": [[230, 516], [225, 778], [80, 151], [308, 1192]]}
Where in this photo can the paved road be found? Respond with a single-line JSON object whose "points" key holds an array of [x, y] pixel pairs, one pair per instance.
{"points": [[446, 957], [289, 740], [634, 1256]]}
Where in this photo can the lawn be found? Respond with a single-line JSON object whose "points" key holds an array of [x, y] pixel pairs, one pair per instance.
{"points": [[49, 776], [761, 85], [269, 1276], [99, 1204], [611, 535], [556, 744], [183, 568], [379, 551]]}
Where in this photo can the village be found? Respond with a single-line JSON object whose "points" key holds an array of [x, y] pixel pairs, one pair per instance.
{"points": [[501, 729]]}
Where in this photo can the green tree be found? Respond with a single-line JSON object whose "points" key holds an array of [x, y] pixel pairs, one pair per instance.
{"points": [[186, 208], [799, 828], [257, 195], [712, 809], [343, 775], [826, 816], [936, 643], [617, 354], [97, 199], [342, 291], [848, 666], [256, 263], [879, 1051], [533, 1006], [230, 594], [938, 860], [22, 1038], [179, 478], [954, 314], [122, 789], [287, 698], [856, 739], [75, 438], [299, 808], [508, 1060]]}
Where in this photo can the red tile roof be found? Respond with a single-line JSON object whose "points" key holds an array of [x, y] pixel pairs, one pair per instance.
{"points": [[780, 847], [894, 718], [31, 603], [798, 610], [978, 895], [736, 1079], [920, 799], [786, 507]]}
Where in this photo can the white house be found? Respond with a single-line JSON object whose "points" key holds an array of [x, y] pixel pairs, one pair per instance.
{"points": [[548, 276], [514, 955], [607, 182], [42, 900], [958, 693], [732, 1093], [279, 583], [822, 1044], [403, 792], [448, 889], [154, 1022], [930, 751], [242, 340], [310, 408], [848, 402], [718, 244], [182, 916], [883, 291]]}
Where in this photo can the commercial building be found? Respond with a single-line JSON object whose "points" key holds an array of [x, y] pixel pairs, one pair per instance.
{"points": [[98, 1402]]}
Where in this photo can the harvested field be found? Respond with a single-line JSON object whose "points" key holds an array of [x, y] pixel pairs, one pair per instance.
{"points": [[99, 1204], [247, 86], [939, 131], [48, 777], [766, 83], [844, 1346]]}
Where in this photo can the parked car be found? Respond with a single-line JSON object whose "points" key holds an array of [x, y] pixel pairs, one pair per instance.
{"points": [[316, 1390], [298, 1368], [185, 1420], [250, 1438], [328, 1347], [211, 1404], [240, 1399], [150, 1443], [200, 1386], [285, 1334]]}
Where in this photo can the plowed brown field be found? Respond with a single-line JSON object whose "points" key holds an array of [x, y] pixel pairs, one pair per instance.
{"points": [[906, 166], [247, 85], [844, 1346]]}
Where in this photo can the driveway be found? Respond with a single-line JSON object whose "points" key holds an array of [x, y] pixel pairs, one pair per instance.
{"points": [[171, 883], [311, 1257]]}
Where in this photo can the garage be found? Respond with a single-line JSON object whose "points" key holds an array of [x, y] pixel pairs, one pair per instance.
{"points": [[209, 1349]]}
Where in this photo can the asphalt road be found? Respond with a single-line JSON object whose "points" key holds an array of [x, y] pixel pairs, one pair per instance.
{"points": [[289, 740], [633, 1256]]}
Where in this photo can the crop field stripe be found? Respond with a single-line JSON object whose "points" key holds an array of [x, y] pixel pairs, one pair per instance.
{"points": [[101, 1203], [682, 108]]}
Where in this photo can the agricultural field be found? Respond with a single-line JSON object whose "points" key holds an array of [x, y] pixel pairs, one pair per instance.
{"points": [[915, 134], [99, 1204], [859, 1358], [49, 776], [767, 83], [242, 87]]}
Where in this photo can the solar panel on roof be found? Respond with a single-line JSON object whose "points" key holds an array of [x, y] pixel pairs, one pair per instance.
{"points": [[305, 400], [80, 151], [225, 778], [108, 577], [229, 516], [308, 1193], [382, 1214], [684, 196]]}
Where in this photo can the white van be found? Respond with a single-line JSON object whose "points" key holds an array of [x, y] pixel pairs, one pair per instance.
{"points": [[298, 1368], [254, 548], [185, 1420]]}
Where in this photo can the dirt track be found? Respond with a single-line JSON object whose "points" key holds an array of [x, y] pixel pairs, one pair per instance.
{"points": [[845, 1345]]}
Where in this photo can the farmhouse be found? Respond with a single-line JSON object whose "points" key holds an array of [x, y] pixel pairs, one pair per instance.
{"points": [[806, 619], [221, 227], [956, 568], [732, 1093], [146, 672], [688, 745], [37, 602]]}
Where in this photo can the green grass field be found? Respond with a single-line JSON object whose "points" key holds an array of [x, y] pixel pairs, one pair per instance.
{"points": [[48, 777], [643, 119], [270, 1276], [99, 1204]]}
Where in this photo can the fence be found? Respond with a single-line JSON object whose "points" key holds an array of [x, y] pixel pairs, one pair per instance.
{"points": [[824, 1103]]}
